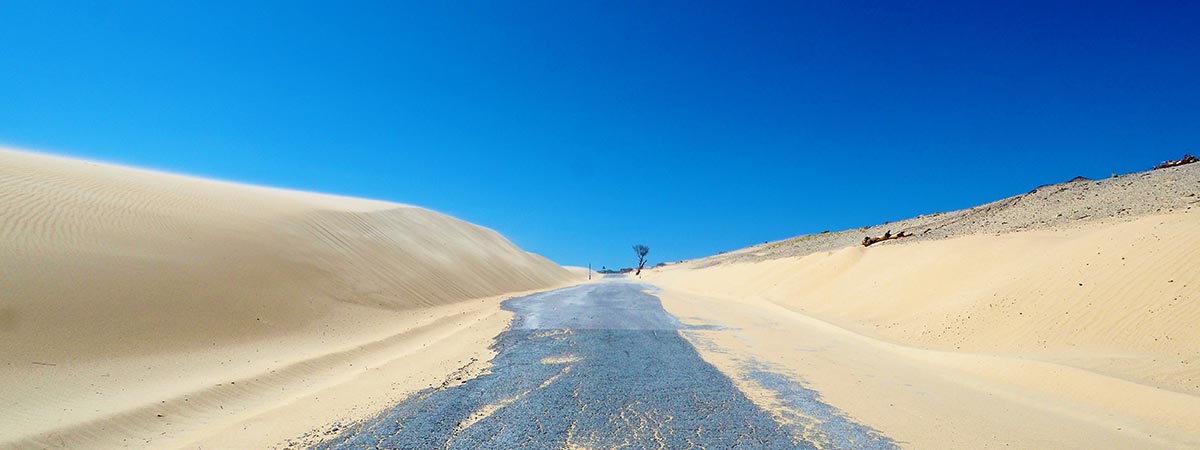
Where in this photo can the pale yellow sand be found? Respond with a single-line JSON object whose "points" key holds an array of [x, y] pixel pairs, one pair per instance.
{"points": [[1073, 338], [154, 310], [582, 273]]}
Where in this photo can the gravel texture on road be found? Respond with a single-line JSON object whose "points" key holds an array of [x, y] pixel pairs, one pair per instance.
{"points": [[602, 366]]}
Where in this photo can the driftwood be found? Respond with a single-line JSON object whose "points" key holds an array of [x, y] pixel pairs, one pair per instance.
{"points": [[1187, 159], [867, 241]]}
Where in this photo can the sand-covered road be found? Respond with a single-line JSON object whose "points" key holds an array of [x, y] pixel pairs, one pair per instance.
{"points": [[604, 366]]}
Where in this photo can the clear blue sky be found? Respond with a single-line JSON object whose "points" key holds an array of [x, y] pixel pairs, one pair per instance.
{"points": [[578, 129]]}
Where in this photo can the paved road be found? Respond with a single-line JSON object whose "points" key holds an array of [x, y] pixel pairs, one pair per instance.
{"points": [[597, 367]]}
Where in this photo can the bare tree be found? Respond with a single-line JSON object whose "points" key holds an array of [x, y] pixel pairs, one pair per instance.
{"points": [[641, 251]]}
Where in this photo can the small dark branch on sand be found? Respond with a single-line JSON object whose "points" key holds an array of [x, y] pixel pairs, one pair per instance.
{"points": [[1187, 159], [43, 364], [867, 241]]}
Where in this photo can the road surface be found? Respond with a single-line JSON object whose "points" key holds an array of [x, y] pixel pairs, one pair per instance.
{"points": [[603, 366]]}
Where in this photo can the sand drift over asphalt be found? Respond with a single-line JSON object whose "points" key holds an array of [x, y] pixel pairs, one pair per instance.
{"points": [[142, 309], [600, 366]]}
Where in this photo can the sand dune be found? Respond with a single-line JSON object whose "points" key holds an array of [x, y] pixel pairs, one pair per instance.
{"points": [[126, 294], [1068, 335], [1065, 205], [582, 273]]}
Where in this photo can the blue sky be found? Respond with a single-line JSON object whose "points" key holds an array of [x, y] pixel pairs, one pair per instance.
{"points": [[580, 128]]}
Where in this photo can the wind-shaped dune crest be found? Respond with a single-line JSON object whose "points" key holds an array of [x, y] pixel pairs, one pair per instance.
{"points": [[100, 262], [104, 253]]}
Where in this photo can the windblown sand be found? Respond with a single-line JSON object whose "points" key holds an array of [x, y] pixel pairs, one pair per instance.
{"points": [[148, 310], [1006, 327], [144, 309]]}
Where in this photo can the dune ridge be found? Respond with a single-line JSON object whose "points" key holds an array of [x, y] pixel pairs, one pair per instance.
{"points": [[1054, 206], [124, 288], [1087, 323]]}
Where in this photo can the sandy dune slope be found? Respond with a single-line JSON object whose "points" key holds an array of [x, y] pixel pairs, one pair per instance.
{"points": [[1064, 205], [124, 291], [582, 273], [1070, 335]]}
